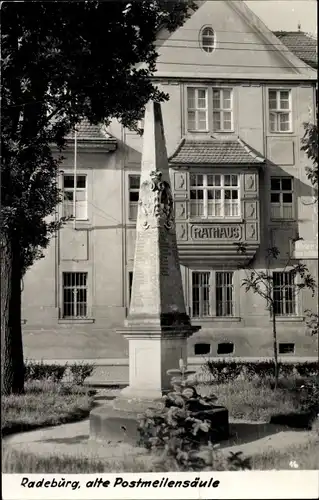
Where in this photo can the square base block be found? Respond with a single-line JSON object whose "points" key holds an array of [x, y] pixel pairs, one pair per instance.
{"points": [[150, 356]]}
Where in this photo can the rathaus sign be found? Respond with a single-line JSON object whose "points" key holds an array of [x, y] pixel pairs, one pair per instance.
{"points": [[214, 232]]}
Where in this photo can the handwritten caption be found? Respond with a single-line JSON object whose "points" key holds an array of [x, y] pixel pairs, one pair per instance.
{"points": [[119, 482]]}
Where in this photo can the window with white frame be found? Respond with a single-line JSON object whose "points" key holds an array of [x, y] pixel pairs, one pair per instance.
{"points": [[214, 196], [279, 102], [75, 295], [207, 39], [212, 293], [197, 109], [134, 191], [281, 197], [284, 293], [222, 110], [209, 109], [75, 197]]}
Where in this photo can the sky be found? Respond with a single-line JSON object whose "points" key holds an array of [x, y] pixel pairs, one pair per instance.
{"points": [[286, 14]]}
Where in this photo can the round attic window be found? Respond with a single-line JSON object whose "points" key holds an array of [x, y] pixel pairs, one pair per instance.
{"points": [[207, 39]]}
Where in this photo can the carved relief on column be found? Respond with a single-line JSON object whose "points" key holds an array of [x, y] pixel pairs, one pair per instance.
{"points": [[156, 202]]}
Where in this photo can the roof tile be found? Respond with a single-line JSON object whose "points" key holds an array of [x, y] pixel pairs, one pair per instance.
{"points": [[215, 152], [301, 45], [87, 132]]}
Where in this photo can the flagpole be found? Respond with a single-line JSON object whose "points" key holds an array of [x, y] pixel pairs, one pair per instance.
{"points": [[75, 179]]}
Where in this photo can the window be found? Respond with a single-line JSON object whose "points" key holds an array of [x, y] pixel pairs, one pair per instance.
{"points": [[208, 39], [224, 294], [281, 199], [134, 191], [286, 348], [212, 294], [284, 293], [222, 110], [75, 197], [209, 109], [279, 110], [214, 195], [225, 348], [197, 109], [201, 294], [74, 295], [201, 349]]}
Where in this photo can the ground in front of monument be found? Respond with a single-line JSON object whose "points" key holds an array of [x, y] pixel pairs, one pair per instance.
{"points": [[265, 443]]}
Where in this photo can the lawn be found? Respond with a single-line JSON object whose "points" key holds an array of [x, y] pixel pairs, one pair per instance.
{"points": [[44, 403], [255, 400], [302, 457]]}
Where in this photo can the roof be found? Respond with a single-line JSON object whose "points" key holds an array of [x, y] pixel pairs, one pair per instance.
{"points": [[87, 132], [215, 152], [92, 135], [301, 45]]}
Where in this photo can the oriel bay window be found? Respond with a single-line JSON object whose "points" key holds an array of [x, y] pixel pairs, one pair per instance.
{"points": [[214, 196], [212, 294]]}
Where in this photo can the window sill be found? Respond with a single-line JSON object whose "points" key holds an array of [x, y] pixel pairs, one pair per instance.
{"points": [[285, 132], [73, 321], [219, 132], [290, 319], [224, 319], [79, 224]]}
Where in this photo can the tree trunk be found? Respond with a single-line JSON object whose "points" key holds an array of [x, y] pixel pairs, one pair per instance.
{"points": [[274, 332], [12, 365]]}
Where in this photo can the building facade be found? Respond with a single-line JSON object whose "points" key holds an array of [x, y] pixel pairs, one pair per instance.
{"points": [[233, 126]]}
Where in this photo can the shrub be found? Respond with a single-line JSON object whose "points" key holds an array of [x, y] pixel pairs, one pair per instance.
{"points": [[41, 371], [310, 396], [56, 373], [180, 427], [80, 372], [224, 371]]}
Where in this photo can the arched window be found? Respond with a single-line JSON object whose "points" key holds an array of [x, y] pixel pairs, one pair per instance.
{"points": [[208, 39]]}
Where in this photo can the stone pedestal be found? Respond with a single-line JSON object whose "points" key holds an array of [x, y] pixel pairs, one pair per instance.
{"points": [[151, 354]]}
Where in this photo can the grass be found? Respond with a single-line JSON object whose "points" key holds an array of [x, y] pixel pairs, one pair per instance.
{"points": [[44, 403], [302, 457], [256, 400]]}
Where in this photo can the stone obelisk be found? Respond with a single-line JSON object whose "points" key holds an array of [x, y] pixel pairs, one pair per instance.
{"points": [[157, 326]]}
